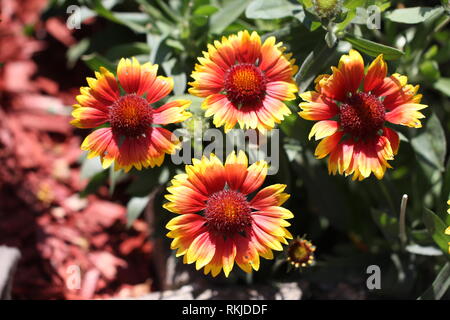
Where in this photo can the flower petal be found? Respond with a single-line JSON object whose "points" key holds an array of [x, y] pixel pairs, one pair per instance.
{"points": [[135, 78], [275, 211], [390, 85], [207, 175], [393, 138], [324, 128], [104, 88], [340, 157], [352, 68], [276, 65], [271, 225], [185, 234], [87, 99], [269, 196], [346, 77], [184, 197], [160, 88], [236, 169], [172, 112], [256, 174], [86, 117], [407, 115], [246, 255], [97, 142], [317, 107], [376, 73], [228, 255], [222, 109], [328, 144], [281, 90], [201, 250]]}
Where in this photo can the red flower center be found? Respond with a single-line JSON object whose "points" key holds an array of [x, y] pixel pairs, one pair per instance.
{"points": [[130, 116], [245, 83], [362, 116], [228, 212], [300, 251]]}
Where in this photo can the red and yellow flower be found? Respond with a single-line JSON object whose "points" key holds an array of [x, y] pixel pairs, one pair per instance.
{"points": [[300, 253], [218, 224], [245, 81], [120, 108], [352, 108], [447, 231]]}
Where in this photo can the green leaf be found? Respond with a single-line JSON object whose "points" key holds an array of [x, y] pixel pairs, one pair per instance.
{"points": [[94, 61], [114, 177], [201, 14], [387, 224], [313, 64], [205, 10], [90, 167], [220, 20], [440, 285], [135, 207], [430, 144], [348, 19], [127, 50], [169, 11], [413, 15], [155, 43], [76, 51], [443, 85], [309, 20], [430, 70], [176, 44], [374, 49], [431, 52], [176, 72], [436, 228], [131, 20], [421, 237], [152, 11], [306, 3], [86, 13], [147, 180], [269, 9], [442, 206], [95, 182]]}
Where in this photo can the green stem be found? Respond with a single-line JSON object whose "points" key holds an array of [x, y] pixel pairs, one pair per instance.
{"points": [[387, 195], [402, 219]]}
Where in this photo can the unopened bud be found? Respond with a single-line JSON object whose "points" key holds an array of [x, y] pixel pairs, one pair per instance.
{"points": [[327, 9]]}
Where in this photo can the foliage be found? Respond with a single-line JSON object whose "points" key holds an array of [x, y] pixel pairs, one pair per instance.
{"points": [[352, 224]]}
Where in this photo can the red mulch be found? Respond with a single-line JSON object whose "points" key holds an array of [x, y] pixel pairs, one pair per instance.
{"points": [[57, 232]]}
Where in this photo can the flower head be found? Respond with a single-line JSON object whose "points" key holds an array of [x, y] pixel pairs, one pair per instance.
{"points": [[245, 81], [121, 110], [353, 109], [327, 8], [300, 253], [218, 223], [447, 231]]}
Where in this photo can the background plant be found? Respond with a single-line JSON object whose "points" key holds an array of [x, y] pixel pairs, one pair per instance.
{"points": [[352, 224]]}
